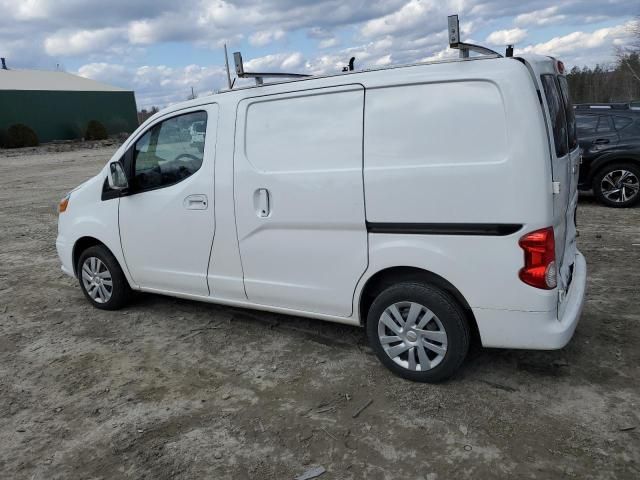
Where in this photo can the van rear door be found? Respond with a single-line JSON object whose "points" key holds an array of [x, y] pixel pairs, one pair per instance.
{"points": [[565, 161]]}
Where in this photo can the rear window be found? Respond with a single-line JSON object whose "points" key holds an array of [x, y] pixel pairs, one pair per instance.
{"points": [[568, 111], [557, 114], [587, 124], [621, 122], [604, 126]]}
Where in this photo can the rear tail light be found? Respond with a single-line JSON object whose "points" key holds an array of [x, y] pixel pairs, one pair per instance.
{"points": [[539, 259]]}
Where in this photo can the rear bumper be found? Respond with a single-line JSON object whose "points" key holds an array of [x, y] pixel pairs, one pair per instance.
{"points": [[535, 330]]}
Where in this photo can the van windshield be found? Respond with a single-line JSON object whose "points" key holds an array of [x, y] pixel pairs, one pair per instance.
{"points": [[557, 114]]}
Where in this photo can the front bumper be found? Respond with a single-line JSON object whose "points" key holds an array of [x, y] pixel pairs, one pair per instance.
{"points": [[535, 330], [65, 255]]}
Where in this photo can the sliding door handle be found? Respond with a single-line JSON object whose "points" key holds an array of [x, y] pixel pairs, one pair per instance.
{"points": [[262, 202]]}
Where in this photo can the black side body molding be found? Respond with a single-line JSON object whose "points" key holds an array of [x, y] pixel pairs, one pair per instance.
{"points": [[486, 229]]}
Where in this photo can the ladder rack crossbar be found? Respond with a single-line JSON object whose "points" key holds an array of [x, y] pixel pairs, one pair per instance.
{"points": [[259, 77]]}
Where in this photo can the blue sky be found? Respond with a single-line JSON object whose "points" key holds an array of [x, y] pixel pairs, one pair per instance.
{"points": [[162, 48]]}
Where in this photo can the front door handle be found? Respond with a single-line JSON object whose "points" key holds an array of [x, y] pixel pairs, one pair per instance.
{"points": [[196, 202], [601, 141]]}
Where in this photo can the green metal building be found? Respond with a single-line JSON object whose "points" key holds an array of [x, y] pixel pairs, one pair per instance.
{"points": [[58, 105]]}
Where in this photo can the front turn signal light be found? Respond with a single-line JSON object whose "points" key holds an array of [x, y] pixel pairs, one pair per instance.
{"points": [[64, 203]]}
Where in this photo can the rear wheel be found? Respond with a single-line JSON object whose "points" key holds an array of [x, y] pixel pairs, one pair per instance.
{"points": [[101, 279], [418, 331], [618, 185]]}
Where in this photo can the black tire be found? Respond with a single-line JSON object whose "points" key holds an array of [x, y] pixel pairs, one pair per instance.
{"points": [[602, 173], [120, 291], [448, 312]]}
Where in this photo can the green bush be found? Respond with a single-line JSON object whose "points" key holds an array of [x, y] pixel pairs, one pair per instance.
{"points": [[20, 135], [95, 131]]}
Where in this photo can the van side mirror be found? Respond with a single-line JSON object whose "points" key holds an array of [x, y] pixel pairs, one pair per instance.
{"points": [[117, 178]]}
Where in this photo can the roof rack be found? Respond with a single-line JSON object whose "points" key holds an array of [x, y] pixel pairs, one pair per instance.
{"points": [[465, 48], [237, 58], [602, 106], [454, 42]]}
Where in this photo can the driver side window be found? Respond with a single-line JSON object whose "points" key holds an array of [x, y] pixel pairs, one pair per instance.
{"points": [[170, 151]]}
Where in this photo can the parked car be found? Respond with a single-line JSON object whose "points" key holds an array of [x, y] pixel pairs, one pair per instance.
{"points": [[197, 132], [403, 210], [609, 135]]}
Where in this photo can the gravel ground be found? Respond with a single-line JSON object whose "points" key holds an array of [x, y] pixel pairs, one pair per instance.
{"points": [[170, 388]]}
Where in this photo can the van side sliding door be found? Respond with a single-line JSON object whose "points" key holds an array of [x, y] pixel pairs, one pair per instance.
{"points": [[299, 198]]}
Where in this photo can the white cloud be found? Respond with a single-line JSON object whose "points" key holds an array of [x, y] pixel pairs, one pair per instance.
{"points": [[142, 32], [81, 42], [580, 41], [28, 9], [507, 37], [444, 54], [158, 85], [384, 60], [546, 16], [265, 37], [277, 62], [329, 42], [408, 16], [102, 71]]}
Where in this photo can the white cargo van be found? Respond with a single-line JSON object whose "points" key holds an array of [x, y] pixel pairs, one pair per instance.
{"points": [[427, 203]]}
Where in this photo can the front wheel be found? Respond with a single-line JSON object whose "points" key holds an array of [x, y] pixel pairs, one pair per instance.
{"points": [[101, 279], [418, 331], [618, 185]]}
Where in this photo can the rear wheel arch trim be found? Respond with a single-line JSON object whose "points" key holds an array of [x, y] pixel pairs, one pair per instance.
{"points": [[385, 277]]}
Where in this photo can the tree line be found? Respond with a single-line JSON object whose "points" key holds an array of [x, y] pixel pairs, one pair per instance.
{"points": [[602, 84], [619, 82]]}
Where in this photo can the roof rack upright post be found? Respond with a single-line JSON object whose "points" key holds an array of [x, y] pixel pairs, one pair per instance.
{"points": [[465, 48]]}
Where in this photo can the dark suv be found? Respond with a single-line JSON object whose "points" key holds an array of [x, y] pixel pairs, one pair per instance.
{"points": [[609, 135]]}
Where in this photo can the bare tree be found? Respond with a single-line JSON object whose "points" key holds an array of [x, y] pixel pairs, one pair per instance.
{"points": [[628, 54], [144, 114], [635, 33]]}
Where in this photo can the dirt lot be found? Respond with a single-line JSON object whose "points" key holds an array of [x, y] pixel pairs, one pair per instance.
{"points": [[176, 389]]}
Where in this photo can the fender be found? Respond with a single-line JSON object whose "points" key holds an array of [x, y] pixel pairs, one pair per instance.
{"points": [[617, 155], [96, 218]]}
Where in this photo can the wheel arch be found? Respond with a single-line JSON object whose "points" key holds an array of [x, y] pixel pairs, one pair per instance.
{"points": [[388, 276], [81, 245], [601, 163]]}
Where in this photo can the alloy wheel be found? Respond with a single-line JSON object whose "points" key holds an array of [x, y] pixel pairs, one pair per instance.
{"points": [[620, 185]]}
